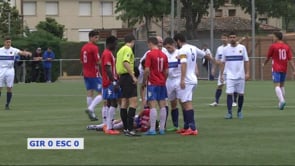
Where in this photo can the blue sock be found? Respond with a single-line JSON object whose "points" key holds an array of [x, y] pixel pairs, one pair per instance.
{"points": [[229, 103], [240, 102], [174, 114], [217, 95], [185, 125], [167, 113], [235, 96], [8, 98], [191, 119]]}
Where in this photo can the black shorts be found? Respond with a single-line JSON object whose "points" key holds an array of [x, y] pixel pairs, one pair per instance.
{"points": [[128, 88]]}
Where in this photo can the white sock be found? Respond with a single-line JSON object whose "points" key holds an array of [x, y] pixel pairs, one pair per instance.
{"points": [[118, 126], [153, 118], [163, 114], [283, 91], [110, 117], [104, 114], [279, 94], [89, 101], [95, 101]]}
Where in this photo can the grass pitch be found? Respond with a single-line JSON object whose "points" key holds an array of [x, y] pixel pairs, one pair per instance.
{"points": [[264, 137]]}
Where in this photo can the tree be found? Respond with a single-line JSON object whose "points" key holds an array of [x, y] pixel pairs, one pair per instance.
{"points": [[273, 8], [52, 26], [10, 25], [137, 11], [193, 11]]}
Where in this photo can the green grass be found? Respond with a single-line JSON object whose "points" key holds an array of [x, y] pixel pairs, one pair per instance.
{"points": [[264, 137]]}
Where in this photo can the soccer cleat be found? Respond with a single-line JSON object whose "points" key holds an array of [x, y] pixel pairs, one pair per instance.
{"points": [[7, 107], [112, 132], [181, 131], [150, 132], [132, 134], [172, 129], [214, 104], [234, 104], [240, 115], [190, 132], [91, 115], [282, 105], [91, 127], [228, 116], [162, 132]]}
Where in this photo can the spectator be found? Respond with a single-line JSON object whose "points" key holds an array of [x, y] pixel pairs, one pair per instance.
{"points": [[36, 65], [48, 56]]}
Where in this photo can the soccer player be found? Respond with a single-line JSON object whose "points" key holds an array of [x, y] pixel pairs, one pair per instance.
{"points": [[234, 63], [8, 55], [89, 57], [188, 81], [173, 79], [281, 54], [128, 84], [109, 83], [155, 74]]}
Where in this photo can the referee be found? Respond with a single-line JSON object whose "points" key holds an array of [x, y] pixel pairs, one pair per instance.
{"points": [[128, 84]]}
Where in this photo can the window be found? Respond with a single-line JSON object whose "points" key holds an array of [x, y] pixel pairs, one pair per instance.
{"points": [[232, 12], [52, 8], [83, 34], [29, 8], [106, 8], [84, 8], [218, 13], [263, 20]]}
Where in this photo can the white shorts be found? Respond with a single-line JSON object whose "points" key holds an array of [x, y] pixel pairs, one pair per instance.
{"points": [[6, 77], [186, 94], [237, 85], [172, 85]]}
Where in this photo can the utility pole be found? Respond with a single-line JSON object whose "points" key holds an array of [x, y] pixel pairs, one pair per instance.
{"points": [[172, 18], [253, 39]]}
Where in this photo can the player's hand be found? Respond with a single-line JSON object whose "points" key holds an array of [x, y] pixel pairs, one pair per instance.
{"points": [[262, 64], [222, 78], [182, 85], [247, 76], [134, 80]]}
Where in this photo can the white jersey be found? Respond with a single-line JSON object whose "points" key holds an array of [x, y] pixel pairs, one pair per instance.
{"points": [[188, 54], [234, 58], [174, 64], [7, 57], [219, 52]]}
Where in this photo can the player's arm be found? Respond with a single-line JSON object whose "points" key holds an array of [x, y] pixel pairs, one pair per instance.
{"points": [[247, 68], [197, 70], [146, 72], [183, 66], [291, 62], [24, 53], [109, 72], [269, 54]]}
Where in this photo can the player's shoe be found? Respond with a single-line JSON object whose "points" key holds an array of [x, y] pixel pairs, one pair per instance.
{"points": [[181, 131], [150, 132], [214, 104], [112, 132], [240, 115], [91, 127], [228, 116], [190, 132], [91, 115], [172, 129], [132, 134], [234, 104], [162, 132], [7, 107], [282, 105]]}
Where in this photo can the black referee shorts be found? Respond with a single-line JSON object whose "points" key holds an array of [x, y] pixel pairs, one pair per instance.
{"points": [[128, 88]]}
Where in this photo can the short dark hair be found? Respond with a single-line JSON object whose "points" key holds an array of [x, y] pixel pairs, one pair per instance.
{"points": [[224, 34], [111, 40], [278, 35], [168, 40], [93, 32], [7, 38], [179, 37], [232, 33], [129, 38], [153, 40]]}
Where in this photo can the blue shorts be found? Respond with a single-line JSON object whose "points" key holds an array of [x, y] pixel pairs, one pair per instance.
{"points": [[109, 93], [156, 92], [93, 83], [278, 77]]}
